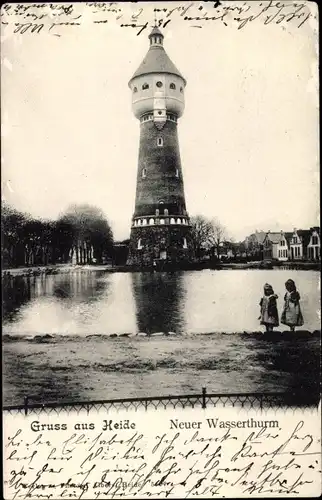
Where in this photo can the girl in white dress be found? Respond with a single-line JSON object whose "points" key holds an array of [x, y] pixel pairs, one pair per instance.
{"points": [[292, 314]]}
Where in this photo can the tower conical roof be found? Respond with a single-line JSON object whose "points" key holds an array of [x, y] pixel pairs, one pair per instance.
{"points": [[157, 60], [155, 31]]}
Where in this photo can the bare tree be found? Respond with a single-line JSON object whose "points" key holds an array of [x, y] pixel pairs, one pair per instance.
{"points": [[219, 235], [207, 234]]}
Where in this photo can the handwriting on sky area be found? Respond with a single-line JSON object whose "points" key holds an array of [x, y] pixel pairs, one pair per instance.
{"points": [[118, 459], [56, 18]]}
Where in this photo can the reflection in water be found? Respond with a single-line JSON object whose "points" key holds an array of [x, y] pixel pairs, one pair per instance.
{"points": [[16, 291], [85, 302], [159, 302], [81, 287], [78, 287], [73, 287], [75, 303]]}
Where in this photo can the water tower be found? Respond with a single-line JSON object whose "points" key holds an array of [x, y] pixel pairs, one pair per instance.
{"points": [[161, 227]]}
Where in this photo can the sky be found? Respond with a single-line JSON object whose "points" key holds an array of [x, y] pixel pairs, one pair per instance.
{"points": [[248, 136]]}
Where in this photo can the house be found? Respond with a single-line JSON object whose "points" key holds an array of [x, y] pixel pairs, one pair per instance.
{"points": [[254, 245], [226, 250], [314, 245], [275, 246], [298, 243], [305, 244]]}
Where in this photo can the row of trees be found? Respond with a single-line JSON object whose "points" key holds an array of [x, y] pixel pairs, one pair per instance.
{"points": [[81, 235]]}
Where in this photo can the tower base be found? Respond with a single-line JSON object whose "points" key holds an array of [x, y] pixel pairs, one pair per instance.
{"points": [[160, 244]]}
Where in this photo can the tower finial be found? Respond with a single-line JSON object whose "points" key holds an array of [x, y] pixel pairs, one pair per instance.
{"points": [[155, 18], [156, 37]]}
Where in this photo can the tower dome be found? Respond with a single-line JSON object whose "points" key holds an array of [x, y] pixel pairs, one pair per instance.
{"points": [[156, 62]]}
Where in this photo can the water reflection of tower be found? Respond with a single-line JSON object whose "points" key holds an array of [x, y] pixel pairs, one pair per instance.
{"points": [[159, 300]]}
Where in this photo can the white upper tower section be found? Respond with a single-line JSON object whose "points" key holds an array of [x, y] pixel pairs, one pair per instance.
{"points": [[157, 86]]}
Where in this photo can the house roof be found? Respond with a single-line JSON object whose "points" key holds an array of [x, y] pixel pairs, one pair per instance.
{"points": [[260, 237], [257, 237], [274, 237], [288, 235], [157, 61], [305, 235]]}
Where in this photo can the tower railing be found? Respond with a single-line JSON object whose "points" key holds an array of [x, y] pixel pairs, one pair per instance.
{"points": [[168, 220]]}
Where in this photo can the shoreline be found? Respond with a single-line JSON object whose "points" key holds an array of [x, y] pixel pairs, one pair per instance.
{"points": [[68, 268], [53, 337]]}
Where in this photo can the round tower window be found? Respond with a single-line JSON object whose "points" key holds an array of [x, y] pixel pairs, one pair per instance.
{"points": [[160, 112], [145, 86], [181, 89], [172, 86], [135, 89], [159, 84]]}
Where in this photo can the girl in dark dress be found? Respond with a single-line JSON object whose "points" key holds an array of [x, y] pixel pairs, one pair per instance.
{"points": [[269, 314]]}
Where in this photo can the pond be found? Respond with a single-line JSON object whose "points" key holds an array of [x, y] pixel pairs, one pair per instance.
{"points": [[58, 345], [83, 302]]}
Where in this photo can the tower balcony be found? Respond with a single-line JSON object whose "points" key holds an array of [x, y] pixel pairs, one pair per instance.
{"points": [[154, 220]]}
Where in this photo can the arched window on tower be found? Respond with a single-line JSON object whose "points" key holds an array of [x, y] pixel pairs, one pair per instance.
{"points": [[181, 90], [172, 86], [177, 172], [145, 86], [157, 211], [184, 244], [140, 246], [166, 211], [144, 173], [160, 141]]}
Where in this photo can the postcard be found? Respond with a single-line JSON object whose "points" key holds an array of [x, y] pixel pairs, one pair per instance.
{"points": [[160, 249]]}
